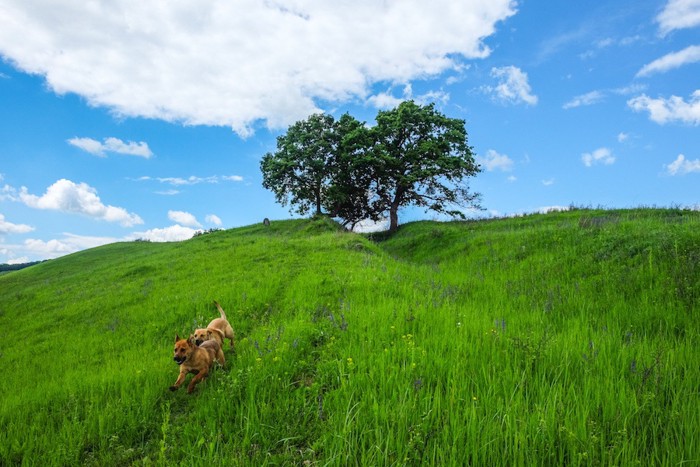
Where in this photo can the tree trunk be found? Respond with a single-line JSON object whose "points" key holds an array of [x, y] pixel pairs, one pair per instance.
{"points": [[394, 216], [394, 210], [318, 202], [393, 219]]}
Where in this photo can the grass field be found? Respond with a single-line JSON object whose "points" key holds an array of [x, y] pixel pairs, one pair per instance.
{"points": [[560, 339]]}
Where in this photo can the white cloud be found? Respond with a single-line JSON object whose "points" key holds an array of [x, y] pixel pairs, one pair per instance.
{"points": [[548, 209], [599, 156], [88, 145], [168, 192], [384, 100], [191, 180], [111, 144], [548, 182], [213, 219], [585, 99], [183, 218], [49, 249], [10, 228], [240, 63], [387, 100], [80, 198], [631, 89], [682, 166], [622, 137], [669, 110], [495, 161], [671, 61], [369, 226], [174, 233], [679, 14], [21, 260], [512, 88], [8, 193]]}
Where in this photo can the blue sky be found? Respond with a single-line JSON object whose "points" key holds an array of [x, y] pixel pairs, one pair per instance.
{"points": [[128, 120]]}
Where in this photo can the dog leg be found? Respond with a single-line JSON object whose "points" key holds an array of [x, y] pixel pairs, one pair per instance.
{"points": [[178, 383], [220, 357], [199, 377]]}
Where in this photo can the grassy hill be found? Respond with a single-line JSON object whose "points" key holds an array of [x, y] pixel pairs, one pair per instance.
{"points": [[560, 339]]}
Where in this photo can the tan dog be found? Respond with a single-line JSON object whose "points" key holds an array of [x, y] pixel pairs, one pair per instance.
{"points": [[218, 330], [195, 359]]}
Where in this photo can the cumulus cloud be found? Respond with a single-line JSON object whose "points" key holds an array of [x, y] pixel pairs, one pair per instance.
{"points": [[512, 87], [682, 166], [78, 198], [183, 218], [679, 14], [174, 233], [213, 219], [622, 137], [671, 61], [673, 109], [7, 227], [590, 98], [111, 144], [240, 63], [495, 161], [599, 156]]}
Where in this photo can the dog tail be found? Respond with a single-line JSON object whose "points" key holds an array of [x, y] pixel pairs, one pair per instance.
{"points": [[221, 310]]}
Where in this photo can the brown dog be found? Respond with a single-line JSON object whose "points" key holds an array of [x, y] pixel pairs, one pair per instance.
{"points": [[195, 359], [218, 330]]}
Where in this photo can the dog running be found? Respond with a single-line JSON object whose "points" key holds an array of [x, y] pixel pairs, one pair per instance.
{"points": [[218, 329], [195, 359]]}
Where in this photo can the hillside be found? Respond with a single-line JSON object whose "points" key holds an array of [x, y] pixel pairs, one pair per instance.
{"points": [[560, 339]]}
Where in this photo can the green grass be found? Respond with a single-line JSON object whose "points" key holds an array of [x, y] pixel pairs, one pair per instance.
{"points": [[560, 339]]}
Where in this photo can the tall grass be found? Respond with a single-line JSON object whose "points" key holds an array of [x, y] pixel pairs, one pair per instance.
{"points": [[559, 339]]}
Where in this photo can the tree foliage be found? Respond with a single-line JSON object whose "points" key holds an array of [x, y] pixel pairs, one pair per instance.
{"points": [[297, 173], [414, 155], [421, 157]]}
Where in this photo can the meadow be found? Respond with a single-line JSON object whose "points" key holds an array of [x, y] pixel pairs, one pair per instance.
{"points": [[567, 338]]}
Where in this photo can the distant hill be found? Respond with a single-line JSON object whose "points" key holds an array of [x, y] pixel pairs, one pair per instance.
{"points": [[568, 338], [16, 267]]}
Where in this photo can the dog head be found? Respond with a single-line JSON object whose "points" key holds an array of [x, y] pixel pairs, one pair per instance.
{"points": [[183, 349], [201, 335]]}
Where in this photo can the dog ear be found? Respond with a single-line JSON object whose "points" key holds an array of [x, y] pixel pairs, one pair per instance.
{"points": [[219, 332], [177, 337], [191, 340]]}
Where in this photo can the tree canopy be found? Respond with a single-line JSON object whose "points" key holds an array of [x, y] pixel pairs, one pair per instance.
{"points": [[414, 155], [421, 157]]}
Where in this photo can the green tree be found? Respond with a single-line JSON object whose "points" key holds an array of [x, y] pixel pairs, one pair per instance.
{"points": [[420, 157], [316, 167], [297, 173], [348, 194]]}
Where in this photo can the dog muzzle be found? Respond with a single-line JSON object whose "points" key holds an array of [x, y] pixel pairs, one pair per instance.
{"points": [[179, 360]]}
